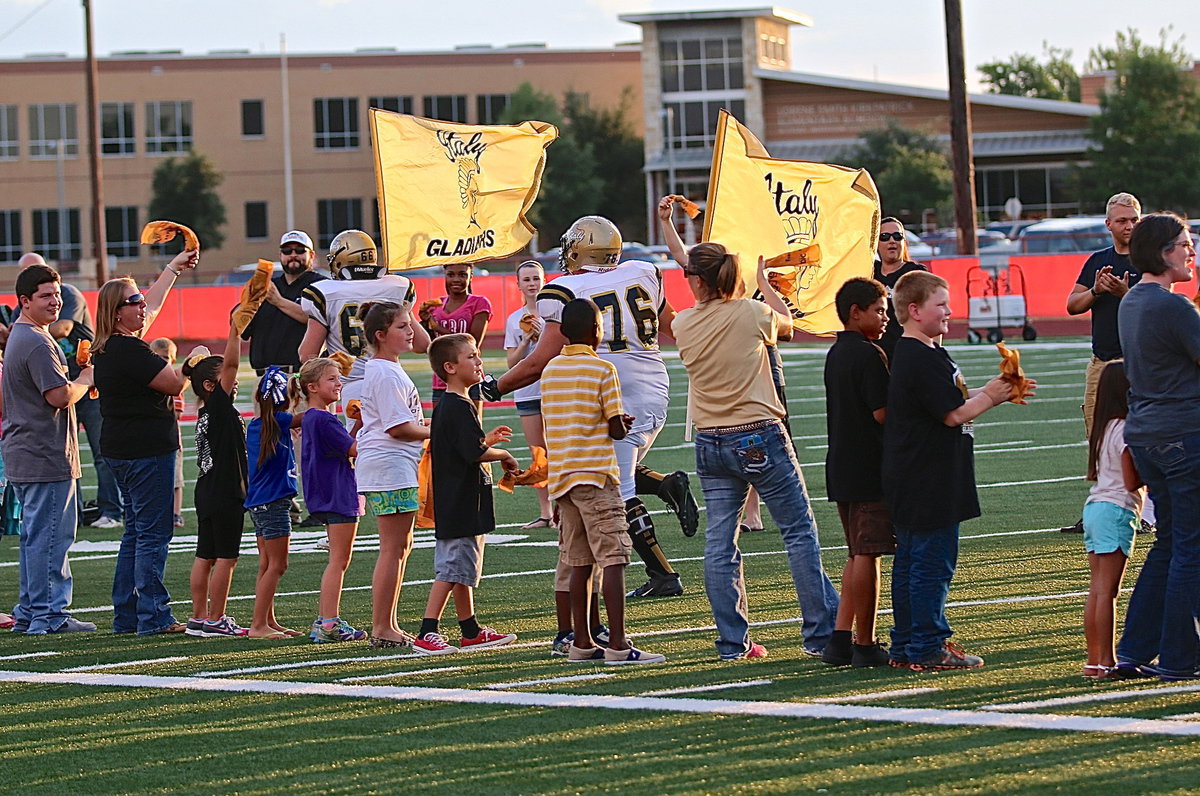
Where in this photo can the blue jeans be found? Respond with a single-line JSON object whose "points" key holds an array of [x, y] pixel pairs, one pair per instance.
{"points": [[47, 533], [108, 494], [921, 573], [728, 465], [1165, 604], [140, 599]]}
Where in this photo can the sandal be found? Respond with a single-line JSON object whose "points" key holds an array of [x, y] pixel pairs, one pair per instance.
{"points": [[540, 522], [1096, 671], [274, 635], [744, 528]]}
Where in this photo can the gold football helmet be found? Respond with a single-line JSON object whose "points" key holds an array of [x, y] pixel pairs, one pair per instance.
{"points": [[352, 255], [592, 240]]}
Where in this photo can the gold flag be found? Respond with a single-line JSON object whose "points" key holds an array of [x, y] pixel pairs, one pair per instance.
{"points": [[815, 223], [453, 193]]}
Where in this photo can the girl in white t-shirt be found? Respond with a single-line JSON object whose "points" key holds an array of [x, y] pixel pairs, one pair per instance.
{"points": [[389, 450], [1110, 517], [521, 333]]}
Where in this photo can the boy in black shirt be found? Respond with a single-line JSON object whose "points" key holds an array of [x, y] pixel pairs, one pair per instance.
{"points": [[462, 491], [929, 473], [856, 385]]}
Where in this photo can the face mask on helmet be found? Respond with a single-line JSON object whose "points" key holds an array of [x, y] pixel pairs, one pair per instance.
{"points": [[352, 255], [592, 240]]}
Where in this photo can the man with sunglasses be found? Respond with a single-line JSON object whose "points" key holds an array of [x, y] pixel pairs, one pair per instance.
{"points": [[279, 325], [891, 264]]}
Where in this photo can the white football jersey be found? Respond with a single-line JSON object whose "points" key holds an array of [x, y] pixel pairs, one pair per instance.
{"points": [[334, 304], [630, 297]]}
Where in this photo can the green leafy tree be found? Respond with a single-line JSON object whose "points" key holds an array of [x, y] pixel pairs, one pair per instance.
{"points": [[185, 190], [1023, 75], [1146, 138], [619, 158], [909, 167]]}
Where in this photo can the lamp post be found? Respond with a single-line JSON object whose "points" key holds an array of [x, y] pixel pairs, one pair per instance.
{"points": [[99, 246]]}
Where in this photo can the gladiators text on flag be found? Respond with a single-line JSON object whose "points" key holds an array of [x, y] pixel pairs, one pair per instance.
{"points": [[814, 223], [454, 192]]}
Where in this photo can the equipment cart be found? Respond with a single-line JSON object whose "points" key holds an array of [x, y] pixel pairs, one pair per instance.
{"points": [[996, 301]]}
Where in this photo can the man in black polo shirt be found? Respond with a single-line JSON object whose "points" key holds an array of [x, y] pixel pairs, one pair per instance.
{"points": [[278, 327], [1106, 277]]}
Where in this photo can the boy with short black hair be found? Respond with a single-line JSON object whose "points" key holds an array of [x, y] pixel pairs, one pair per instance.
{"points": [[581, 407], [462, 495], [929, 473], [856, 393]]}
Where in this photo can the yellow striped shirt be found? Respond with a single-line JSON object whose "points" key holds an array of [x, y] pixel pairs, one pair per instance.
{"points": [[580, 392]]}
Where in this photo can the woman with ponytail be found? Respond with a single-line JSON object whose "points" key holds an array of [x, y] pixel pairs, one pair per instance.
{"points": [[742, 442]]}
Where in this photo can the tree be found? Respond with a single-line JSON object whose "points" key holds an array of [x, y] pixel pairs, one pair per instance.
{"points": [[185, 190], [1146, 138], [1022, 75], [619, 158], [909, 167]]}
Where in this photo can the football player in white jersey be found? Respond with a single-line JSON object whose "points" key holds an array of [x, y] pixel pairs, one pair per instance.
{"points": [[332, 305], [632, 303]]}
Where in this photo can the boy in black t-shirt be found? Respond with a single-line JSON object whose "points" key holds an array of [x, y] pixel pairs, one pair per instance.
{"points": [[929, 473], [462, 491], [856, 385]]}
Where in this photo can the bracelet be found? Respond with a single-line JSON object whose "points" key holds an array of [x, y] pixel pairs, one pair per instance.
{"points": [[172, 270]]}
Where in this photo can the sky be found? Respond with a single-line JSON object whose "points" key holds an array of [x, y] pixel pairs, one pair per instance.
{"points": [[895, 41]]}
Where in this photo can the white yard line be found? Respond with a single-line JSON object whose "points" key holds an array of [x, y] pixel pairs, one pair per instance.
{"points": [[398, 674], [899, 692], [572, 678], [699, 689], [1102, 696], [277, 667], [100, 666], [1184, 717], [798, 710], [24, 655]]}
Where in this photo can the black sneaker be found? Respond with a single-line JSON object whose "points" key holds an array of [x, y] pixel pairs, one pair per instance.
{"points": [[659, 586], [677, 494], [839, 651], [1076, 528], [952, 656], [1129, 671], [309, 522], [869, 655]]}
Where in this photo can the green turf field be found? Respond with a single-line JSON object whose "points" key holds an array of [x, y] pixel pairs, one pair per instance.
{"points": [[94, 713]]}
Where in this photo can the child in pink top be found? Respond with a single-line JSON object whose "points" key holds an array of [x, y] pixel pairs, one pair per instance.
{"points": [[461, 312]]}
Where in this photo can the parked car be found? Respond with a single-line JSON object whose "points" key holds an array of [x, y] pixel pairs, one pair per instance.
{"points": [[1065, 235], [918, 249], [945, 242], [1010, 229]]}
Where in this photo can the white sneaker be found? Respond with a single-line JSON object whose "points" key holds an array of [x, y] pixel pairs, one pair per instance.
{"points": [[323, 544], [107, 523]]}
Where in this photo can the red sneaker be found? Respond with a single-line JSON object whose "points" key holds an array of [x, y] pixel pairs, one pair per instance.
{"points": [[488, 638], [433, 644]]}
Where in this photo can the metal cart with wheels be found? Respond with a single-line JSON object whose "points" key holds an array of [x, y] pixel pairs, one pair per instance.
{"points": [[996, 301]]}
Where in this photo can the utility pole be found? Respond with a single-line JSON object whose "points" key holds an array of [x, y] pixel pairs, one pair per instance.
{"points": [[99, 245], [960, 131]]}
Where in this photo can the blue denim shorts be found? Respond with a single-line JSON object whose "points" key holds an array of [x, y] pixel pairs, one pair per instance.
{"points": [[1108, 527], [272, 520], [529, 408], [332, 518]]}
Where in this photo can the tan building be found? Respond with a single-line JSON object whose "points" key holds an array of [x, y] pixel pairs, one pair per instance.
{"points": [[231, 107]]}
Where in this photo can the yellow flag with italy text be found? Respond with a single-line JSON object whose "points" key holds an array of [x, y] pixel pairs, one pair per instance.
{"points": [[816, 224], [453, 193]]}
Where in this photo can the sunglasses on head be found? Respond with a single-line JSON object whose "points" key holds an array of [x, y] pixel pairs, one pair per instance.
{"points": [[132, 301], [293, 250], [897, 236]]}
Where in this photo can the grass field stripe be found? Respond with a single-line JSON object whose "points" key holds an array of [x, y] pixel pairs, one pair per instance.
{"points": [[1184, 717], [25, 655], [938, 717], [121, 664], [1027, 483], [699, 689], [1103, 696], [571, 678], [365, 678], [278, 667], [899, 692]]}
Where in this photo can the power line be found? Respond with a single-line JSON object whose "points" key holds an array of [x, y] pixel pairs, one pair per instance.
{"points": [[24, 19]]}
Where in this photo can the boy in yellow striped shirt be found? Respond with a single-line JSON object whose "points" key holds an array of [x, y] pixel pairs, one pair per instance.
{"points": [[581, 408]]}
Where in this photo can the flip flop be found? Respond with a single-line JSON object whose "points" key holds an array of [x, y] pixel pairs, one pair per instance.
{"points": [[540, 522], [276, 635], [287, 631], [744, 528]]}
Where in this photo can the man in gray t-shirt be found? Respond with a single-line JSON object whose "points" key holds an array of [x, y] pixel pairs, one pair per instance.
{"points": [[41, 454]]}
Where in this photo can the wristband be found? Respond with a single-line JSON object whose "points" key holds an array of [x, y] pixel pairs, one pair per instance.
{"points": [[1093, 291], [172, 270]]}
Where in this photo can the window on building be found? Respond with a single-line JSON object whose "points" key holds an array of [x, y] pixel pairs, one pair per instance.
{"points": [[394, 104], [256, 220], [335, 123], [447, 107], [693, 125], [488, 107], [1043, 190], [168, 127], [335, 215], [10, 236], [252, 118], [117, 136], [122, 230], [56, 235], [49, 125], [710, 64], [9, 143]]}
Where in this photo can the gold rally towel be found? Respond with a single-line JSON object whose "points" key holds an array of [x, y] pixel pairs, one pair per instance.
{"points": [[816, 224], [454, 192]]}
